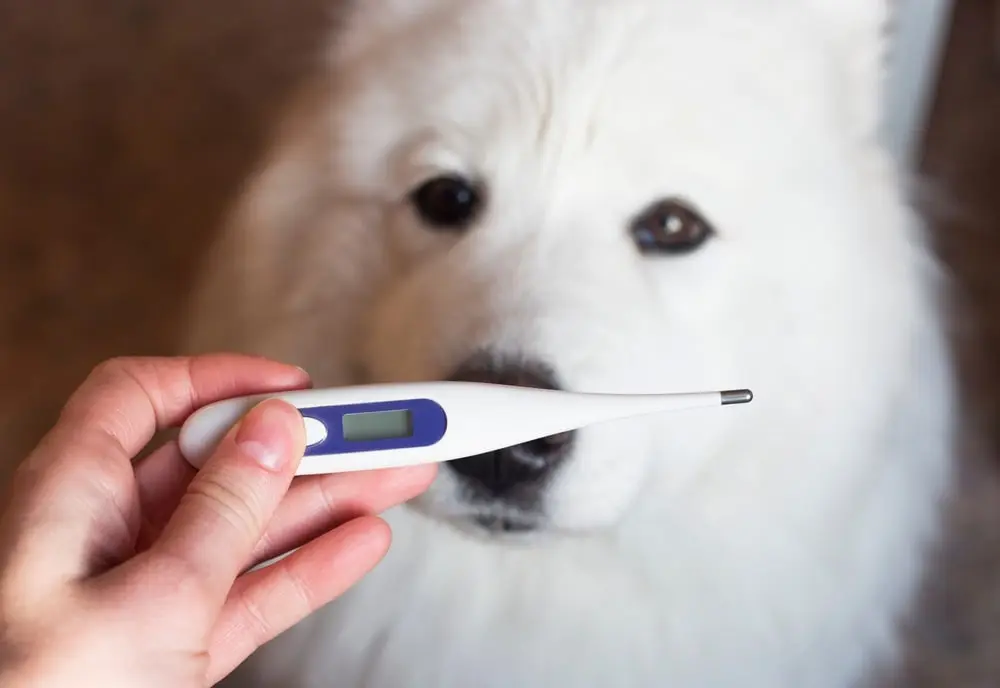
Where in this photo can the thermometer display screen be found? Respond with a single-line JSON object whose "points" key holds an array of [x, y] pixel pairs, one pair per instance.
{"points": [[377, 425]]}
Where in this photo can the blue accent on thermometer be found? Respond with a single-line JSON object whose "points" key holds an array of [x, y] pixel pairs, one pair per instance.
{"points": [[402, 424], [388, 425]]}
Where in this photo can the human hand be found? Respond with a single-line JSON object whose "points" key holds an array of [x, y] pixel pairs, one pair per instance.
{"points": [[123, 573]]}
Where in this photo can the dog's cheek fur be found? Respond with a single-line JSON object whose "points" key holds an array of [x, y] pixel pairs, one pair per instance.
{"points": [[267, 286]]}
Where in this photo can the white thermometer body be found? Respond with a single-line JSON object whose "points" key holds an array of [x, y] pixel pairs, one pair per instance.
{"points": [[391, 425]]}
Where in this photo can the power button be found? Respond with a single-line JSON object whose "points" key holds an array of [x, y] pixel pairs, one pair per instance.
{"points": [[315, 431]]}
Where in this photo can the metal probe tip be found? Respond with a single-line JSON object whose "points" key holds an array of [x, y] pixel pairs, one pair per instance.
{"points": [[736, 396]]}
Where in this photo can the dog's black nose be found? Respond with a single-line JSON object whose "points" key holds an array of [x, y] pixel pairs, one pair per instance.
{"points": [[501, 472]]}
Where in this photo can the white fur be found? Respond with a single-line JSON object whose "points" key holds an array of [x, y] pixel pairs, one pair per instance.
{"points": [[770, 545]]}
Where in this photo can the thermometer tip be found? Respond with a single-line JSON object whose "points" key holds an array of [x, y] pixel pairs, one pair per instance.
{"points": [[736, 396]]}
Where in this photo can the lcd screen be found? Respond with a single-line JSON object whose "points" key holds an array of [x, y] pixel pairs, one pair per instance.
{"points": [[378, 425]]}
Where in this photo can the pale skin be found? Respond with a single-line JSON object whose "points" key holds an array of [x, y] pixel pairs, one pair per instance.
{"points": [[117, 572]]}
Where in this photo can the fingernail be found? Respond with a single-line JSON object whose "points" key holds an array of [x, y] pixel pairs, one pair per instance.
{"points": [[305, 374], [265, 435]]}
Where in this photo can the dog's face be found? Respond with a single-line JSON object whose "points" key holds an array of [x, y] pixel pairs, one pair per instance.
{"points": [[604, 196]]}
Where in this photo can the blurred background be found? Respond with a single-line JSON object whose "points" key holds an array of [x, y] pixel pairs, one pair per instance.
{"points": [[126, 127]]}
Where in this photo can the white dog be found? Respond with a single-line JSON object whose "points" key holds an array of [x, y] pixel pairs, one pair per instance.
{"points": [[623, 196]]}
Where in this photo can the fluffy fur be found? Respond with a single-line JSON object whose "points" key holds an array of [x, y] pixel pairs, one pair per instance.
{"points": [[776, 544]]}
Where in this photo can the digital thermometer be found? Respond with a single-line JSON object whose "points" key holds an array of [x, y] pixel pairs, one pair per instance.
{"points": [[390, 425]]}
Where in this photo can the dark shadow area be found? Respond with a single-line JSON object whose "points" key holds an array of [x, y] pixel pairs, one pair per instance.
{"points": [[125, 128]]}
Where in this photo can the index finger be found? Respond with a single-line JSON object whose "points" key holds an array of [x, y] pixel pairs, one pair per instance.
{"points": [[125, 401], [77, 487]]}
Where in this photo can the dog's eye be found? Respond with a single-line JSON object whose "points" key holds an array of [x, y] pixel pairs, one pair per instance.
{"points": [[670, 226], [447, 202]]}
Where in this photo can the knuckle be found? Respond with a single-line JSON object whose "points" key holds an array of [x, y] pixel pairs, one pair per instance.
{"points": [[113, 368], [266, 617], [107, 373], [149, 376], [239, 506], [255, 618], [299, 596], [134, 370]]}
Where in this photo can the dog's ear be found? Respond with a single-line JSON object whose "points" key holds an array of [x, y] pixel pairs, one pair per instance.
{"points": [[861, 32]]}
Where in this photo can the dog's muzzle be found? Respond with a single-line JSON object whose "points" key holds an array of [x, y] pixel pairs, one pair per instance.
{"points": [[512, 472]]}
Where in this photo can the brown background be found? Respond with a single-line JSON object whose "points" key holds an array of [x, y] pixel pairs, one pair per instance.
{"points": [[125, 127]]}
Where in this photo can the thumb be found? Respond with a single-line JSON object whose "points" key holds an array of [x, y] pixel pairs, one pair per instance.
{"points": [[228, 504]]}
